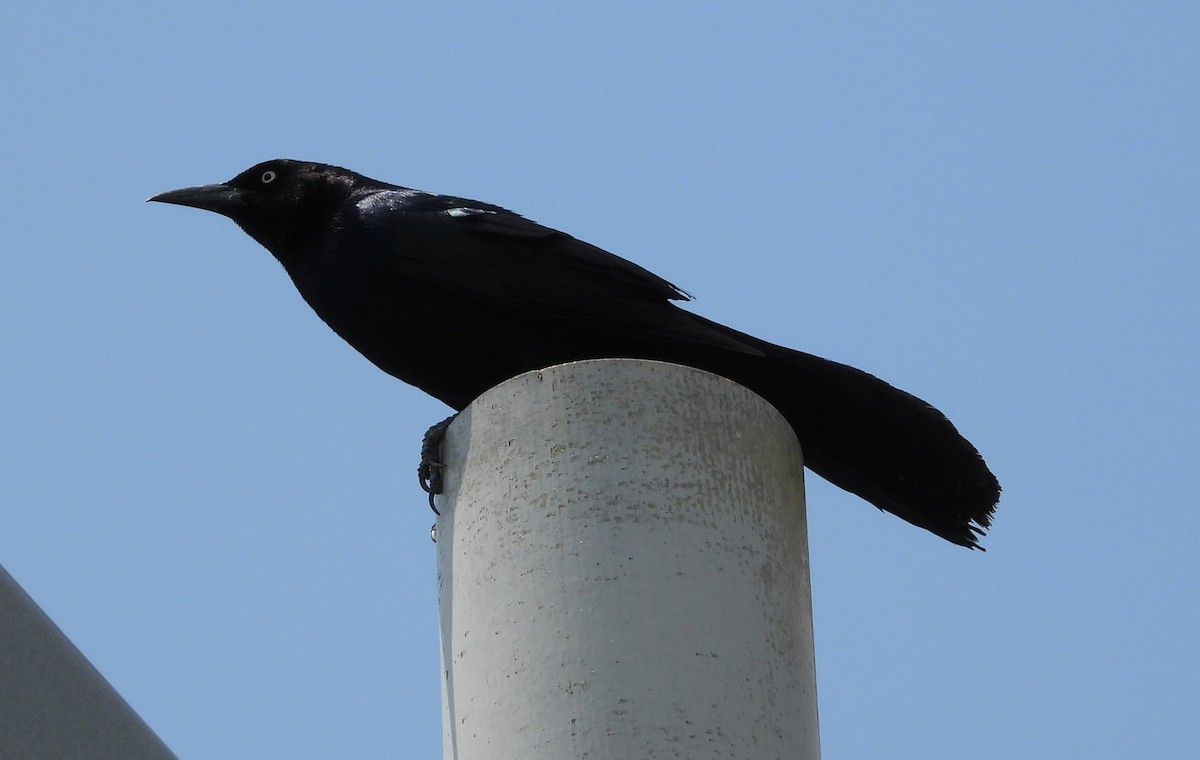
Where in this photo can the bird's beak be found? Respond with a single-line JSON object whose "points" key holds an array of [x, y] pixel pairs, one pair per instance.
{"points": [[221, 199]]}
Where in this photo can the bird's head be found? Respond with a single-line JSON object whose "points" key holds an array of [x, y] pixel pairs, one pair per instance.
{"points": [[279, 203]]}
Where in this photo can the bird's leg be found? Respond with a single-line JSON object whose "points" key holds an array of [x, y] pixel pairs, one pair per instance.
{"points": [[429, 471]]}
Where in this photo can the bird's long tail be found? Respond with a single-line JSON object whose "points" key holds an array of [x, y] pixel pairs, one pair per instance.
{"points": [[879, 442]]}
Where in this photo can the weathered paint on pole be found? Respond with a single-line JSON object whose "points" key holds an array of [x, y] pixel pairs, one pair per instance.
{"points": [[623, 571], [53, 703]]}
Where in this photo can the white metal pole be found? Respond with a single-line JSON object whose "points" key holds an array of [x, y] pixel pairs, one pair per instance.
{"points": [[623, 571], [53, 703]]}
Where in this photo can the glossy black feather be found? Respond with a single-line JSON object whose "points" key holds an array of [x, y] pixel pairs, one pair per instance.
{"points": [[454, 296]]}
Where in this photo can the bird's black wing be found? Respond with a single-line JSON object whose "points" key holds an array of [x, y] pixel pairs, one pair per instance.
{"points": [[486, 254]]}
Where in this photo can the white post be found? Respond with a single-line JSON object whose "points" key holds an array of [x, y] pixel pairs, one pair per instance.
{"points": [[623, 571], [53, 703]]}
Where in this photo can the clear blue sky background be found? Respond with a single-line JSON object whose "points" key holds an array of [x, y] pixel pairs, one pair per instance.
{"points": [[994, 205]]}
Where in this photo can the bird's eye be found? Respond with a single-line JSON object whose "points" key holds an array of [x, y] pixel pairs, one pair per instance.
{"points": [[268, 177]]}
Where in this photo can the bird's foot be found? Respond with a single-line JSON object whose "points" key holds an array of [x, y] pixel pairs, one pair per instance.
{"points": [[430, 470]]}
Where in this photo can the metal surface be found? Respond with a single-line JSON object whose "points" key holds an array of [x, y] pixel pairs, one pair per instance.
{"points": [[623, 571], [53, 704]]}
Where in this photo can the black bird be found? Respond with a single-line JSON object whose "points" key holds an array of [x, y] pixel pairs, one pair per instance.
{"points": [[455, 296]]}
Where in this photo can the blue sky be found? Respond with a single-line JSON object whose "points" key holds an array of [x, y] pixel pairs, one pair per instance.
{"points": [[992, 205]]}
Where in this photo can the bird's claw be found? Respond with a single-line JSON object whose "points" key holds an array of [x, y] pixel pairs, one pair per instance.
{"points": [[429, 474], [430, 471]]}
